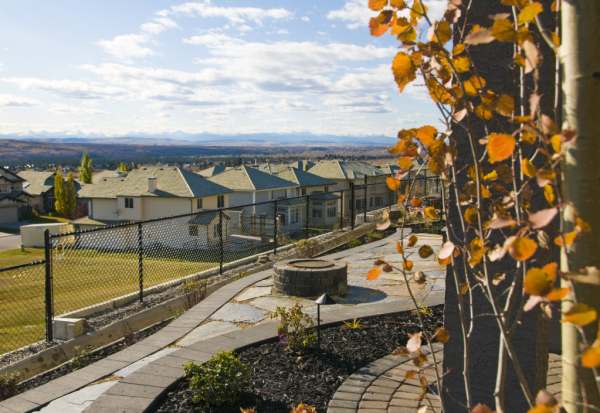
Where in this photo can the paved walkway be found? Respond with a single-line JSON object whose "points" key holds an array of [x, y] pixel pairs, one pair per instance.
{"points": [[235, 315], [383, 387]]}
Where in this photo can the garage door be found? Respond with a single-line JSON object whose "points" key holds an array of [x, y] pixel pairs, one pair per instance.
{"points": [[8, 215]]}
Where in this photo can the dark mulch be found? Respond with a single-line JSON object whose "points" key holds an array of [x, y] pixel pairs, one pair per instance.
{"points": [[281, 379]]}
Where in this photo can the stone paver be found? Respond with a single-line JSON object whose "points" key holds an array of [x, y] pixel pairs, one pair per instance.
{"points": [[239, 313], [390, 392], [253, 292]]}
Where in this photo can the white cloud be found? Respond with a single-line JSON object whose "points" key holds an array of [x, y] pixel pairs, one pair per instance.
{"points": [[356, 13], [127, 46], [17, 101], [238, 15], [305, 18], [158, 25], [75, 110], [66, 88]]}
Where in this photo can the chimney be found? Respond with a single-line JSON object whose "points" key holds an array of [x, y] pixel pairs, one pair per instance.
{"points": [[152, 184]]}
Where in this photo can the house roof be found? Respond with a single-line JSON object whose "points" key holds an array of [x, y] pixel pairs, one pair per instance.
{"points": [[105, 173], [336, 169], [171, 182], [245, 178], [37, 182], [10, 176], [213, 170], [205, 218], [295, 175]]}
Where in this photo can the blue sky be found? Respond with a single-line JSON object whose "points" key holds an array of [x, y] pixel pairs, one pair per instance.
{"points": [[114, 67]]}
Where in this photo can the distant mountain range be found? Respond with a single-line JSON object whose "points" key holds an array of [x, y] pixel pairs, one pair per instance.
{"points": [[177, 147], [210, 139]]}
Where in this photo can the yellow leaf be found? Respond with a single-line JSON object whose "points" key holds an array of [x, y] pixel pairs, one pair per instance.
{"points": [[473, 84], [476, 251], [373, 273], [566, 239], [458, 49], [441, 335], [580, 314], [505, 105], [523, 248], [591, 357], [549, 194], [463, 288], [503, 30], [492, 176], [403, 70], [408, 36], [555, 39], [500, 146], [398, 4], [485, 192], [416, 202], [470, 215], [558, 294], [399, 248], [425, 251], [483, 111], [411, 374], [378, 25], [417, 11], [443, 32], [529, 12], [408, 265], [426, 134], [541, 408], [405, 162], [412, 240], [377, 5], [537, 282], [556, 142], [528, 168], [479, 35], [392, 184], [430, 213], [462, 64]]}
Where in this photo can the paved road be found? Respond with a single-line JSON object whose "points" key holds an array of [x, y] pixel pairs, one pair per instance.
{"points": [[9, 241]]}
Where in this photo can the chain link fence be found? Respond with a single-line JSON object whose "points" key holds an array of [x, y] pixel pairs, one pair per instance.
{"points": [[87, 268]]}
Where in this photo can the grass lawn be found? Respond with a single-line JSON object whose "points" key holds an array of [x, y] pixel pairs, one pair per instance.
{"points": [[81, 278]]}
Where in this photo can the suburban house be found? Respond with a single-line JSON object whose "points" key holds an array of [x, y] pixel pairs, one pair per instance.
{"points": [[13, 200], [323, 206], [250, 186], [39, 185], [347, 173], [426, 185], [213, 170]]}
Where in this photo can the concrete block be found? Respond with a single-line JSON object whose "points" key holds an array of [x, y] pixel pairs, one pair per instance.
{"points": [[68, 328]]}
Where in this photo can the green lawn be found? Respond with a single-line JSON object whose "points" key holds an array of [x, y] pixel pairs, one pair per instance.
{"points": [[81, 278]]}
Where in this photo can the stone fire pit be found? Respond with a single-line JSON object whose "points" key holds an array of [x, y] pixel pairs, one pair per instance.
{"points": [[306, 277]]}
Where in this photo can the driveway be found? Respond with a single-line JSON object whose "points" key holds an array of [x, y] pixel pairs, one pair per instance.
{"points": [[9, 241]]}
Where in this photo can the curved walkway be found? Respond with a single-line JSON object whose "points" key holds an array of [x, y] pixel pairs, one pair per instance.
{"points": [[383, 387]]}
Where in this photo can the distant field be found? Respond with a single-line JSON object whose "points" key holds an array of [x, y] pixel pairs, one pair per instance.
{"points": [[81, 278]]}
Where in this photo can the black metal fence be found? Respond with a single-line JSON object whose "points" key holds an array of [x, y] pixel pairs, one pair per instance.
{"points": [[85, 268]]}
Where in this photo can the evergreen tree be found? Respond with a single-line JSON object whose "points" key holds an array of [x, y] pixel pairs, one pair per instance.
{"points": [[70, 196], [122, 167], [85, 169], [59, 193]]}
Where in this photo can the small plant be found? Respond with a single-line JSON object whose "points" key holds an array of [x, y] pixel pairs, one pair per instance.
{"points": [[307, 247], [219, 381], [424, 310], [353, 325], [81, 357], [303, 408], [375, 235], [354, 243], [295, 327], [8, 385]]}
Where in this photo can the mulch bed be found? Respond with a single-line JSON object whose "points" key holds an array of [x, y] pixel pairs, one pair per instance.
{"points": [[281, 379]]}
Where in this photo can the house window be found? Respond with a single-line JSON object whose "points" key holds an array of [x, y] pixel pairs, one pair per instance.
{"points": [[331, 211], [220, 201], [378, 201], [317, 213], [370, 201], [128, 202], [281, 219], [303, 191], [199, 203], [295, 216], [326, 188], [193, 230]]}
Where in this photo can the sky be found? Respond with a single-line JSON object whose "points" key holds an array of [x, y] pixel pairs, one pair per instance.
{"points": [[113, 67]]}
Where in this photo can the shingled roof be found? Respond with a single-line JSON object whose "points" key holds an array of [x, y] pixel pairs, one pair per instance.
{"points": [[9, 175], [301, 178], [37, 182], [170, 182], [336, 169], [212, 171], [245, 178]]}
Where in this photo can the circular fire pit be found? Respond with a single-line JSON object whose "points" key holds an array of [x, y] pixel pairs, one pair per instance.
{"points": [[307, 277]]}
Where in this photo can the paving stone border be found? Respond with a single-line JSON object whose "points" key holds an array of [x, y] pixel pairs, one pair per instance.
{"points": [[139, 391], [382, 387]]}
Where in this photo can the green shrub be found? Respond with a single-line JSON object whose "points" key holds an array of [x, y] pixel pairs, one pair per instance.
{"points": [[375, 235], [354, 243], [295, 328], [8, 385], [307, 247], [219, 381]]}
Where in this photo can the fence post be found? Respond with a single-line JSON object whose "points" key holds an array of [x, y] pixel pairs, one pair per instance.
{"points": [[275, 227], [141, 260], [306, 234], [365, 201], [352, 205], [220, 241], [48, 284], [342, 209]]}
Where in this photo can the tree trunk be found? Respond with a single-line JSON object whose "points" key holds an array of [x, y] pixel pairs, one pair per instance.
{"points": [[580, 55], [495, 63]]}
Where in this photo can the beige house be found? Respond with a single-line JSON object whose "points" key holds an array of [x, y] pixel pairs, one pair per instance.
{"points": [[13, 201], [345, 173]]}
